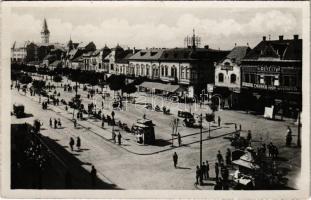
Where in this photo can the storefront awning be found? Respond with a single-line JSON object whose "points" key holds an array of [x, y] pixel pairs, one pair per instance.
{"points": [[162, 87]]}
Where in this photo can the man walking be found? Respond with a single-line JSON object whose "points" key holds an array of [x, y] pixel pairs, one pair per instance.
{"points": [[55, 123], [71, 143], [175, 159], [93, 176], [78, 143], [119, 138]]}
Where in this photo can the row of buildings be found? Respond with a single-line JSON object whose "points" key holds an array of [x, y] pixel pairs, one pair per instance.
{"points": [[269, 74]]}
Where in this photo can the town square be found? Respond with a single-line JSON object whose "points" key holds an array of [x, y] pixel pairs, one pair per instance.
{"points": [[216, 108]]}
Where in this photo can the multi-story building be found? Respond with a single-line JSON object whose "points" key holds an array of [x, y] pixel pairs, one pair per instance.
{"points": [[272, 75], [228, 76]]}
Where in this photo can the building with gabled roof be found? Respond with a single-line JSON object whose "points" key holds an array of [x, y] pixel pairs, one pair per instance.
{"points": [[272, 75]]}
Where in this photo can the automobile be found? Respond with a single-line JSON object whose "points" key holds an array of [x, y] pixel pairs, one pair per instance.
{"points": [[184, 114]]}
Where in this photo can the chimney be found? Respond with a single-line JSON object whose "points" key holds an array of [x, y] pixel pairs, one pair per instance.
{"points": [[234, 44], [206, 47], [296, 37], [281, 37], [264, 38]]}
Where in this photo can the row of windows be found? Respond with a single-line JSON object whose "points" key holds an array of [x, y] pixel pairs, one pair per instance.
{"points": [[286, 80], [221, 78]]}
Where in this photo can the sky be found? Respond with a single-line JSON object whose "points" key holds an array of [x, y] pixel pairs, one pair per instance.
{"points": [[158, 25]]}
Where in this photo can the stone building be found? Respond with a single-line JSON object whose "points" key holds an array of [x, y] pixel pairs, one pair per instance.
{"points": [[272, 75]]}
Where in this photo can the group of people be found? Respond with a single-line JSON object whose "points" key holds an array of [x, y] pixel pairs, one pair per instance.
{"points": [[114, 136], [57, 123], [72, 143]]}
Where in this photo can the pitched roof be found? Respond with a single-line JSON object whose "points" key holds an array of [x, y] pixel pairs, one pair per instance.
{"points": [[18, 45], [277, 50], [147, 54], [238, 53], [125, 58]]}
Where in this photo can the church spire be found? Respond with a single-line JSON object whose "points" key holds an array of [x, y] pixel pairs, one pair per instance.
{"points": [[45, 33]]}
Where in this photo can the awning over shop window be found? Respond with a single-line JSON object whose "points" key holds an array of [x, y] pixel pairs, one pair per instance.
{"points": [[162, 87]]}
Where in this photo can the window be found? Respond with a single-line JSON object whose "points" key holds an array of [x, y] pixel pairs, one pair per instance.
{"points": [[166, 70], [162, 71], [111, 66], [220, 77], [173, 72], [188, 74], [99, 66], [142, 72], [137, 70], [233, 78], [182, 72], [147, 71], [269, 80], [257, 79], [252, 78]]}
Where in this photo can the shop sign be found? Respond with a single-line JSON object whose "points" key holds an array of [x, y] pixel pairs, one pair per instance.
{"points": [[210, 88], [269, 87], [245, 84], [227, 67], [265, 68]]}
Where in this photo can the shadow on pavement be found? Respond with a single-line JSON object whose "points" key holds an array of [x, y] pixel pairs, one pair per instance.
{"points": [[61, 170]]}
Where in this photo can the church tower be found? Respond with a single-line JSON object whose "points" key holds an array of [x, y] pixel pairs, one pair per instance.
{"points": [[45, 33]]}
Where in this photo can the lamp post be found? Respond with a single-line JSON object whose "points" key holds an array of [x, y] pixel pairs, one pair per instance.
{"points": [[201, 174], [299, 127]]}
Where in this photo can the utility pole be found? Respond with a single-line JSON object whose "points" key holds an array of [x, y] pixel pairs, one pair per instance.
{"points": [[299, 126], [201, 174]]}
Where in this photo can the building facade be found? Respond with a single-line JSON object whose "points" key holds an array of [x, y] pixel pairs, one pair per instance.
{"points": [[228, 77], [272, 75]]}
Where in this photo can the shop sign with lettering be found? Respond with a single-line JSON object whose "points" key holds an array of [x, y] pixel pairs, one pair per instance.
{"points": [[265, 68]]}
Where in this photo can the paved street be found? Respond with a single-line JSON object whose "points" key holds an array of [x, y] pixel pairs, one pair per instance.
{"points": [[133, 166]]}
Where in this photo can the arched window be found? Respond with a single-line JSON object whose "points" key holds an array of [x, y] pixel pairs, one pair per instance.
{"points": [[233, 78], [137, 70], [187, 73], [173, 71], [147, 70], [162, 70], [166, 70], [142, 72], [220, 77]]}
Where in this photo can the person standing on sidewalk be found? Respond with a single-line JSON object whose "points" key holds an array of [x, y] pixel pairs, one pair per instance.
{"points": [[75, 123], [204, 171], [119, 138], [103, 123], [197, 175], [175, 159], [216, 170], [207, 170], [55, 123], [219, 157], [78, 143], [71, 143], [59, 122], [93, 176], [219, 120], [51, 123]]}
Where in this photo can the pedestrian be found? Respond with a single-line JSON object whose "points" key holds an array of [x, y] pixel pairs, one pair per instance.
{"points": [[179, 139], [55, 123], [203, 171], [103, 123], [228, 157], [175, 159], [207, 170], [219, 120], [114, 136], [240, 127], [197, 175], [75, 123], [71, 143], [66, 108], [59, 123], [51, 123], [112, 114], [275, 151], [219, 157], [288, 136], [93, 176], [270, 149], [235, 127], [216, 170], [249, 136], [119, 138], [78, 143]]}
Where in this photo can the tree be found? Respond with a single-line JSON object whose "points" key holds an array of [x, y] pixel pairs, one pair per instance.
{"points": [[57, 78], [15, 75], [25, 79], [129, 88], [116, 82]]}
